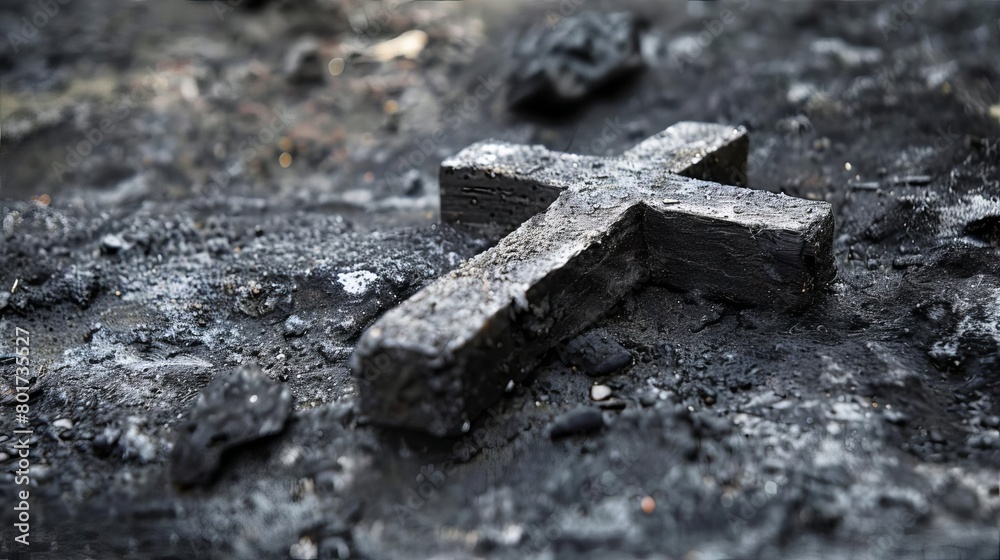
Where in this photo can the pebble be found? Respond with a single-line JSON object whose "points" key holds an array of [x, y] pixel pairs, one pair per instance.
{"points": [[600, 392], [63, 424], [961, 500], [112, 243], [581, 420], [648, 505], [303, 63], [409, 45]]}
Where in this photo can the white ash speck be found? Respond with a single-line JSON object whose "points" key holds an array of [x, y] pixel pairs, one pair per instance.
{"points": [[356, 283], [305, 549], [290, 455], [134, 443]]}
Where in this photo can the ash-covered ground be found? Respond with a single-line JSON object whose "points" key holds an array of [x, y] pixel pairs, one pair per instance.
{"points": [[183, 244]]}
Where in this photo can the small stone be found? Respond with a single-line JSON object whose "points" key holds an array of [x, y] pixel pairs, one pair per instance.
{"points": [[581, 420], [409, 45], [414, 183], [961, 500], [234, 409], [112, 244], [63, 424], [600, 392], [596, 354], [648, 505], [303, 63], [991, 421]]}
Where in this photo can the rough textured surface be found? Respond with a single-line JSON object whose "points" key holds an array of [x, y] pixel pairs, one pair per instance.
{"points": [[234, 409], [565, 63], [757, 435], [492, 188], [443, 356]]}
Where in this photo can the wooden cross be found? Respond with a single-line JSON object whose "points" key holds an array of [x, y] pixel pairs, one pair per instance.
{"points": [[593, 229]]}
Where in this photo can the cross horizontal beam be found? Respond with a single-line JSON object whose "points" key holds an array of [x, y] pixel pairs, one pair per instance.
{"points": [[493, 187]]}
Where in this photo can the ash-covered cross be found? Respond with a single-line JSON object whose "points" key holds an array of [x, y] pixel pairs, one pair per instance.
{"points": [[593, 229]]}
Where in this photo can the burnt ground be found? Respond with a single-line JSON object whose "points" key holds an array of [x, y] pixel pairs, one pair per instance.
{"points": [[866, 426]]}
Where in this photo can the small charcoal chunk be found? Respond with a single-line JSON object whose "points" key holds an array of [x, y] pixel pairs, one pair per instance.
{"points": [[234, 409], [580, 420], [596, 354], [568, 62]]}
